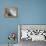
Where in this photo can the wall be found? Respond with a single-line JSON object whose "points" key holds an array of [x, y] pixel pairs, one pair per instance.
{"points": [[29, 12]]}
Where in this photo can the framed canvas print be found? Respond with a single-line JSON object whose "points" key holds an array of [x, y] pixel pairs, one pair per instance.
{"points": [[32, 32], [11, 12]]}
